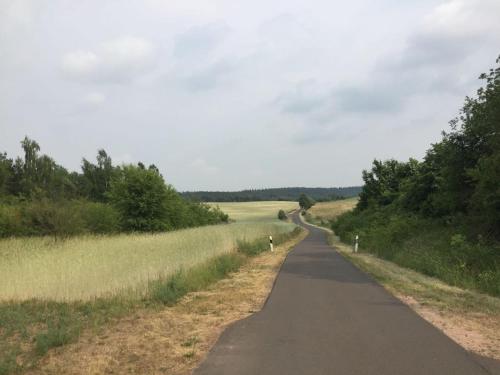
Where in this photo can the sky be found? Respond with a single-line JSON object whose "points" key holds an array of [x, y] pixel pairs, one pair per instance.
{"points": [[228, 95]]}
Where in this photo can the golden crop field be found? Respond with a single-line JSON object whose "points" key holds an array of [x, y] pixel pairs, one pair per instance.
{"points": [[254, 211], [330, 210], [82, 268]]}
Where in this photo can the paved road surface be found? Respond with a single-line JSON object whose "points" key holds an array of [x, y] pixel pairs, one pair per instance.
{"points": [[324, 316]]}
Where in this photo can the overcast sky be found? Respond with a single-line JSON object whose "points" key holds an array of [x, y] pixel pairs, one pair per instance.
{"points": [[228, 94]]}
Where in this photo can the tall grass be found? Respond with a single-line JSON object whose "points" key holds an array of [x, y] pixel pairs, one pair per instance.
{"points": [[52, 289], [82, 268], [433, 247]]}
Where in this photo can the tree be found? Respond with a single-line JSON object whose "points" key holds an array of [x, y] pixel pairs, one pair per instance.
{"points": [[98, 176], [143, 199], [305, 202], [282, 215], [6, 174]]}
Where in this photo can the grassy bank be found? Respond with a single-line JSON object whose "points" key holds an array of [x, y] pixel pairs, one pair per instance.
{"points": [[433, 247], [470, 318]]}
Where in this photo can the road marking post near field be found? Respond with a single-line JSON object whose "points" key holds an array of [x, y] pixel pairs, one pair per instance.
{"points": [[271, 243], [356, 244]]}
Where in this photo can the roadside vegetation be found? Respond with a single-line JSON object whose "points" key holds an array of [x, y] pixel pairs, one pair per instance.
{"points": [[172, 338], [38, 197], [440, 216], [83, 268], [53, 290], [469, 317]]}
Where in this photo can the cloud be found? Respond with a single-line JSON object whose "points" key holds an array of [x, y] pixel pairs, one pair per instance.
{"points": [[80, 63], [208, 77], [365, 99], [118, 61], [202, 166], [430, 62], [199, 41], [94, 99], [304, 98]]}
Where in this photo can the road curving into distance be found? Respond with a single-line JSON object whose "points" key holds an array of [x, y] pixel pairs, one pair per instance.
{"points": [[325, 316]]}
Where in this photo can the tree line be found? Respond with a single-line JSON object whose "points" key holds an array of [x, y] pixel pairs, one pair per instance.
{"points": [[440, 215], [459, 176], [275, 194], [40, 197]]}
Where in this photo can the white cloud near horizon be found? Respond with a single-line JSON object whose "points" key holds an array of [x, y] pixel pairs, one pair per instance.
{"points": [[114, 61]]}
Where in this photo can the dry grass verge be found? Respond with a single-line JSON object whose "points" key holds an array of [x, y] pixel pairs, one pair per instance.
{"points": [[469, 318], [172, 340]]}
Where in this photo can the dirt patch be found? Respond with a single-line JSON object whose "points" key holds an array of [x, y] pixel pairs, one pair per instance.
{"points": [[172, 340], [476, 332]]}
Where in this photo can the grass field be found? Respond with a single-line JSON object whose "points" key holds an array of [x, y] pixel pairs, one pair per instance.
{"points": [[255, 211], [326, 211], [82, 268], [51, 292]]}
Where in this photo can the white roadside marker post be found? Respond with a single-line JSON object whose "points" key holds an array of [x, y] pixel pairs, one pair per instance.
{"points": [[356, 244], [271, 243]]}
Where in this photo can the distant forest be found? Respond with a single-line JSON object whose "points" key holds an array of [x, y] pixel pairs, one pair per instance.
{"points": [[275, 194]]}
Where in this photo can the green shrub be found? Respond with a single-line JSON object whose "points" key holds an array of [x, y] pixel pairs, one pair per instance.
{"points": [[253, 248], [100, 217], [11, 221], [430, 246], [60, 219], [282, 215]]}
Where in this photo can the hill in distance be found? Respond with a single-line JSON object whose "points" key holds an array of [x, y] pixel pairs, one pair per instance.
{"points": [[274, 194]]}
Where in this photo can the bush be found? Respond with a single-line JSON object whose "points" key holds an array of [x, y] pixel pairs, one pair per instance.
{"points": [[147, 204], [59, 219], [430, 246], [282, 215], [100, 218], [11, 221]]}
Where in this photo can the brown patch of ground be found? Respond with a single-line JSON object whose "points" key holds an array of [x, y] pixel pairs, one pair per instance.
{"points": [[173, 340], [476, 332]]}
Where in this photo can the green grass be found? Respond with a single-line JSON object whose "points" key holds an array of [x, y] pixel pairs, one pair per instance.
{"points": [[253, 248]]}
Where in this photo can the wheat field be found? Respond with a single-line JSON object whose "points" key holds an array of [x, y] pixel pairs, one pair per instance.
{"points": [[330, 210], [83, 268], [255, 211]]}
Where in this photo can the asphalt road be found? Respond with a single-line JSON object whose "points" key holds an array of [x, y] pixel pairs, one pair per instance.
{"points": [[325, 316]]}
